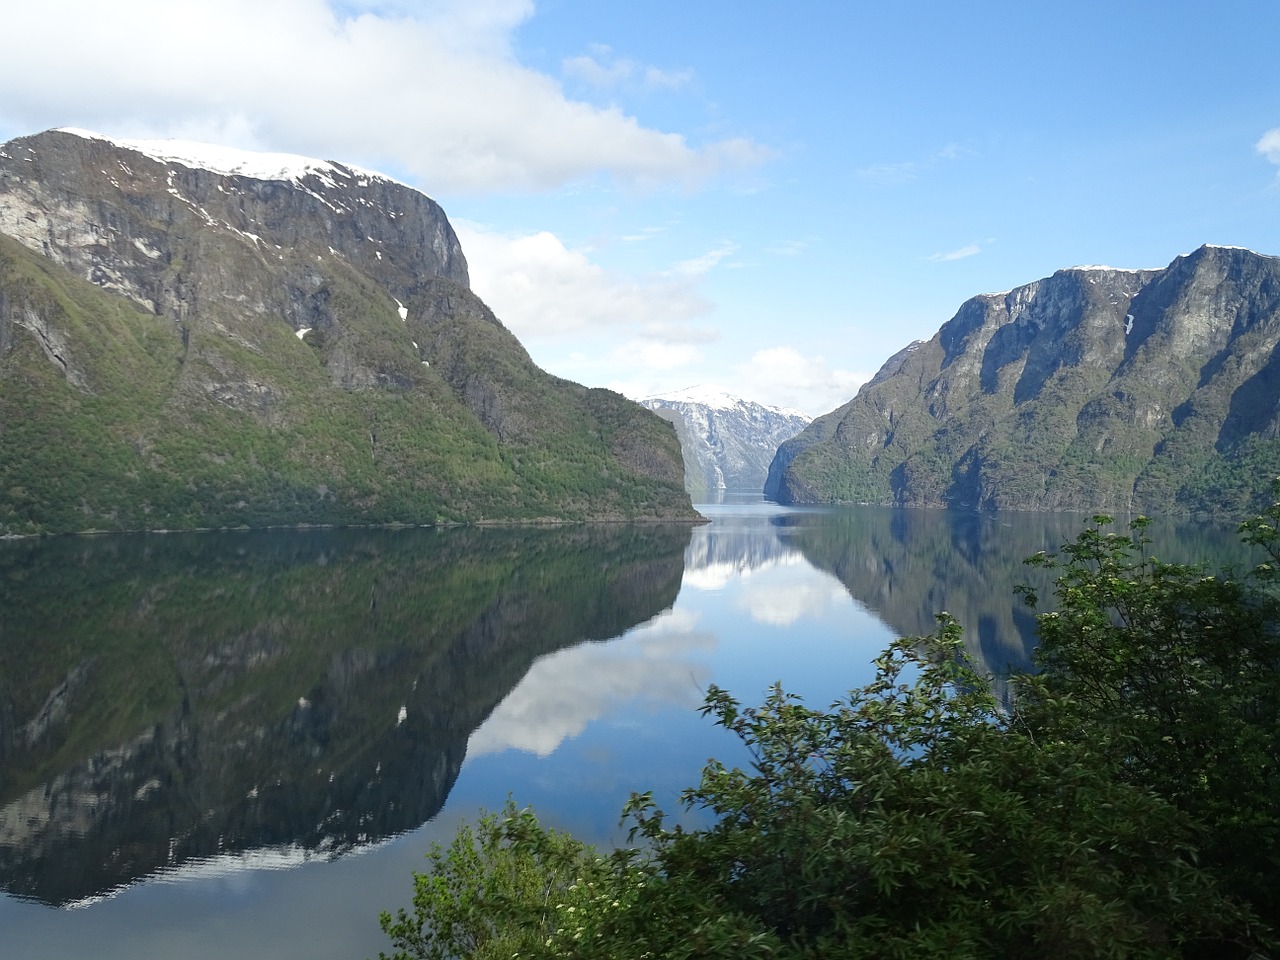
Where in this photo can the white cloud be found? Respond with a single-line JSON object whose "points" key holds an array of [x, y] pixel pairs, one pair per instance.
{"points": [[592, 72], [969, 250], [784, 377], [541, 289], [651, 355], [706, 262], [602, 70], [1269, 145], [776, 376], [648, 233], [428, 91], [656, 78]]}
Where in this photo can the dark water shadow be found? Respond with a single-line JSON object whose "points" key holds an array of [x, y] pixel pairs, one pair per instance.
{"points": [[167, 699], [909, 565]]}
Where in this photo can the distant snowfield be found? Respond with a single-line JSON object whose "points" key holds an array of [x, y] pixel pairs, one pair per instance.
{"points": [[232, 162], [717, 399]]}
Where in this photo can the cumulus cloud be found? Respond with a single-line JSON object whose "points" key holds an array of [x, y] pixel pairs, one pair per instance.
{"points": [[1269, 145], [541, 289], [652, 355], [429, 91], [593, 73], [590, 324], [640, 236], [784, 377]]}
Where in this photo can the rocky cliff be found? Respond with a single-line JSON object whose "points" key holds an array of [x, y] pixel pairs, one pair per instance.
{"points": [[194, 337], [727, 443], [1153, 391]]}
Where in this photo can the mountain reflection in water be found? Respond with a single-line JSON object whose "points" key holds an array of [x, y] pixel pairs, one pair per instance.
{"points": [[212, 708], [907, 566], [175, 698]]}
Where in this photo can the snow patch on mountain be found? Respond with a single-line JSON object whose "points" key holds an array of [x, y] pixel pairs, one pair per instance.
{"points": [[232, 162], [727, 442], [717, 399], [1098, 266]]}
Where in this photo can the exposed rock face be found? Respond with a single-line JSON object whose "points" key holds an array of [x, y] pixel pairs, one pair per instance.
{"points": [[142, 227], [1095, 389], [727, 443], [199, 338]]}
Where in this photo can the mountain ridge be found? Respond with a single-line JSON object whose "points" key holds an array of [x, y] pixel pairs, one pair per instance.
{"points": [[183, 348], [727, 442], [1092, 389]]}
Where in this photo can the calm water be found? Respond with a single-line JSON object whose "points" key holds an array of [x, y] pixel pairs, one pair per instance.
{"points": [[239, 745]]}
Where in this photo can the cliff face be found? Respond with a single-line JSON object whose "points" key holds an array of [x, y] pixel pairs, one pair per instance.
{"points": [[202, 338], [727, 443], [1155, 391], [181, 239]]}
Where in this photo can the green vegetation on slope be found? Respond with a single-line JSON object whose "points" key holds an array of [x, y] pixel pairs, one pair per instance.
{"points": [[117, 419], [1128, 805], [1093, 389]]}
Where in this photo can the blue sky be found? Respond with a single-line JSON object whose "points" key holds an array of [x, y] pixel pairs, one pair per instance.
{"points": [[768, 198]]}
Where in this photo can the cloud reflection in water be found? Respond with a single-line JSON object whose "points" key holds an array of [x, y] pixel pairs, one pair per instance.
{"points": [[563, 692]]}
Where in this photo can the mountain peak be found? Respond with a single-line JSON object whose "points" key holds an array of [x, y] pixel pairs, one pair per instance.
{"points": [[727, 442], [1095, 389], [717, 398], [271, 203], [708, 396], [264, 352]]}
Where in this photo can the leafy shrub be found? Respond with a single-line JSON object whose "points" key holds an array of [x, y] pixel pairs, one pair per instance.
{"points": [[1126, 806]]}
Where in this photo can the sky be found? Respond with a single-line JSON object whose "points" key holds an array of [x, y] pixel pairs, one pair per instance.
{"points": [[765, 198]]}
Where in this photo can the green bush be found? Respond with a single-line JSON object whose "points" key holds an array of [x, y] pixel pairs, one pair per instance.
{"points": [[1127, 805]]}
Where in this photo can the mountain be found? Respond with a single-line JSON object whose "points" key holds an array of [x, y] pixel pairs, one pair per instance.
{"points": [[727, 443], [1154, 391], [196, 337]]}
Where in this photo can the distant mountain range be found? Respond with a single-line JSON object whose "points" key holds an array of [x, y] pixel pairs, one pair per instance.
{"points": [[727, 443], [197, 337], [1154, 391]]}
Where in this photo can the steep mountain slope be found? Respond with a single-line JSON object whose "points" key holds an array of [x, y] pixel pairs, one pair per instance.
{"points": [[728, 443], [201, 338], [1094, 389]]}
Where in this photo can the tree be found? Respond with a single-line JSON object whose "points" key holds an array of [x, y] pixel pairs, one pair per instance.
{"points": [[1126, 806], [915, 819], [1175, 674]]}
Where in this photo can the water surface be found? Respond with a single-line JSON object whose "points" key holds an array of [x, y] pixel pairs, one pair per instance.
{"points": [[239, 745]]}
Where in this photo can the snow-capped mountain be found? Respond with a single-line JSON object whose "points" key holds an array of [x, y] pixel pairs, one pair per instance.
{"points": [[727, 442], [195, 336]]}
